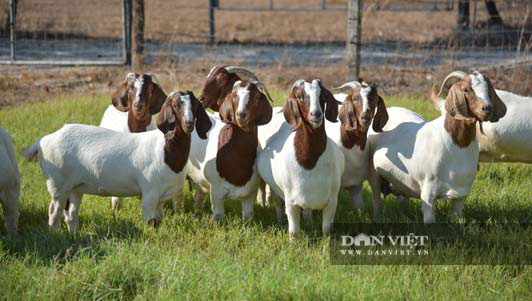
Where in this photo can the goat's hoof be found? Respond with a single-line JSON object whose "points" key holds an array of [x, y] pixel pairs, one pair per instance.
{"points": [[218, 218], [154, 222]]}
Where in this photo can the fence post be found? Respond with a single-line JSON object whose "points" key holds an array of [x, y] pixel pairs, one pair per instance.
{"points": [[212, 5], [138, 33], [12, 13], [354, 17], [126, 31]]}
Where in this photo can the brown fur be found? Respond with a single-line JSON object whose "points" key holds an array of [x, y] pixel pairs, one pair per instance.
{"points": [[309, 143], [237, 141], [217, 87], [151, 98], [177, 131], [464, 109], [353, 131]]}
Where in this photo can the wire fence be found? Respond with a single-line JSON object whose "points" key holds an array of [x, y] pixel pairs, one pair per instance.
{"points": [[396, 33]]}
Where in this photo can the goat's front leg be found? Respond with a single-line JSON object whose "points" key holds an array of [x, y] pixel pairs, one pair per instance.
{"points": [[357, 197], [293, 212], [247, 207], [151, 209], [328, 215], [72, 213], [217, 204], [375, 184], [428, 198], [458, 207], [116, 203]]}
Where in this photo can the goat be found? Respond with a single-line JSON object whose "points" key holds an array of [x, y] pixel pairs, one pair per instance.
{"points": [[82, 159], [134, 102], [9, 182], [224, 164], [218, 85], [436, 159], [359, 109], [509, 139], [299, 163]]}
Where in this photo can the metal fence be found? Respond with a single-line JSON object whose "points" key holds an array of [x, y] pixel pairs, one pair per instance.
{"points": [[64, 32]]}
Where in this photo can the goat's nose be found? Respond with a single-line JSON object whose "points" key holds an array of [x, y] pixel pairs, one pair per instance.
{"points": [[487, 108], [316, 114]]}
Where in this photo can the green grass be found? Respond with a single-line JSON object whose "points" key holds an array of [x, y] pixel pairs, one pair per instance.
{"points": [[189, 257]]}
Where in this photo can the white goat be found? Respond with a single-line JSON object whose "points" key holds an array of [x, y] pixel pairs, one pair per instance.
{"points": [[356, 114], [82, 159], [436, 159], [299, 162], [510, 139], [9, 182], [134, 102], [224, 164]]}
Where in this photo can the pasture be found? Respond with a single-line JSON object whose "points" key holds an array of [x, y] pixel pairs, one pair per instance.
{"points": [[190, 257]]}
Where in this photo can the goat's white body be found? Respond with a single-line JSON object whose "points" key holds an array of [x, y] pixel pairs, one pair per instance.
{"points": [[316, 188], [201, 168], [84, 159], [9, 181], [420, 160], [509, 139], [116, 120]]}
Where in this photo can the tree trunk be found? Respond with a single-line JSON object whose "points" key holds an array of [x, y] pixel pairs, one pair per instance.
{"points": [[463, 14]]}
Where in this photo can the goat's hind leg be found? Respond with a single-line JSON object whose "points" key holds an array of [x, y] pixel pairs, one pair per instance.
{"points": [[72, 212], [11, 208]]}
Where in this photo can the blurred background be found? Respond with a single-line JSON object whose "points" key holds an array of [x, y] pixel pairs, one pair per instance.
{"points": [[62, 46]]}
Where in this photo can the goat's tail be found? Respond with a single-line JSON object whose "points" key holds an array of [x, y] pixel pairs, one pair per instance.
{"points": [[29, 153], [438, 102]]}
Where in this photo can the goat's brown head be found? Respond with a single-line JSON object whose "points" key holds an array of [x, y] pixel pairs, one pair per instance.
{"points": [[306, 104], [363, 106], [246, 106], [180, 112], [219, 84], [472, 98]]}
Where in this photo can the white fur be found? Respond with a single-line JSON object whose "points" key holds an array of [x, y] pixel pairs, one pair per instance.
{"points": [[300, 188], [116, 120], [82, 159], [9, 182], [509, 139], [420, 160]]}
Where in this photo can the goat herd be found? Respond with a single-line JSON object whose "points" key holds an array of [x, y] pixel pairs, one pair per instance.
{"points": [[298, 159]]}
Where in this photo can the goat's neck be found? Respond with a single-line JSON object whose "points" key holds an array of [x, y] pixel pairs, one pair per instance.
{"points": [[176, 150], [463, 132], [138, 125], [351, 138], [237, 152], [309, 144]]}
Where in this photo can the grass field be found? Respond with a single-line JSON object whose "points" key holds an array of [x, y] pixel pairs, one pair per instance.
{"points": [[189, 257]]}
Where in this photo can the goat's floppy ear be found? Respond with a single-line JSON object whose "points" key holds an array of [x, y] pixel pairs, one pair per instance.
{"points": [[381, 117], [227, 110], [166, 121], [331, 105], [499, 108], [120, 98], [456, 104], [264, 111], [291, 112], [203, 122], [348, 115], [157, 96]]}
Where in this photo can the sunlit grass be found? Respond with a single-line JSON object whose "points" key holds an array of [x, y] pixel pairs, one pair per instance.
{"points": [[189, 257]]}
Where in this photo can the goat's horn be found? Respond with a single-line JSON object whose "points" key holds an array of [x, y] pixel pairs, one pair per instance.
{"points": [[458, 74], [234, 69], [263, 89], [353, 85]]}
